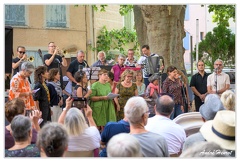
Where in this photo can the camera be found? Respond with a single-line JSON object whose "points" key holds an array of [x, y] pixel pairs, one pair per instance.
{"points": [[79, 102], [79, 99]]}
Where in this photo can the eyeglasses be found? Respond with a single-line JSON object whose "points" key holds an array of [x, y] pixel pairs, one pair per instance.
{"points": [[51, 46], [129, 76], [218, 64], [147, 112], [21, 52]]}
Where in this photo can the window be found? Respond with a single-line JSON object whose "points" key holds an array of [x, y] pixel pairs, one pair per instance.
{"points": [[15, 15], [56, 16], [201, 35], [129, 21]]}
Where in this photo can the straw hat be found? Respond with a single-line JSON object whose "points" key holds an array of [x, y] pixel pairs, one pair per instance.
{"points": [[221, 129], [211, 106]]}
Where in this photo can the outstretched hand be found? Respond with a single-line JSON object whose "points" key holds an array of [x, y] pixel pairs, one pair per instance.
{"points": [[88, 111], [69, 101]]}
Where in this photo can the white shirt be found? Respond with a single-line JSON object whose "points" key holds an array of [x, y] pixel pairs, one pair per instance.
{"points": [[68, 87], [222, 80], [173, 133], [89, 140]]}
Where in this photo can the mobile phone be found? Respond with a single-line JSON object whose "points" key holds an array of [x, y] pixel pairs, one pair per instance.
{"points": [[35, 90], [40, 121]]}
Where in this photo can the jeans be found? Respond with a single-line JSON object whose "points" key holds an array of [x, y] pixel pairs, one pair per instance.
{"points": [[146, 81], [177, 111]]}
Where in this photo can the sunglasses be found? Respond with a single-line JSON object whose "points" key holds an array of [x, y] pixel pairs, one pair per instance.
{"points": [[21, 52]]}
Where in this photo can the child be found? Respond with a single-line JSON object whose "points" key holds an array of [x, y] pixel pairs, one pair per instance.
{"points": [[152, 92]]}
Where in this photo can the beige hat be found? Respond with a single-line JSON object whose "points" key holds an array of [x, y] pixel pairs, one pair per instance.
{"points": [[191, 122], [221, 129]]}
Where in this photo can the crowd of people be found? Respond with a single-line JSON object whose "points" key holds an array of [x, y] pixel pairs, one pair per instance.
{"points": [[81, 120]]}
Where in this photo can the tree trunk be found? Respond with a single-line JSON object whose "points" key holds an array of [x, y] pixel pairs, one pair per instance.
{"points": [[140, 26], [164, 31]]}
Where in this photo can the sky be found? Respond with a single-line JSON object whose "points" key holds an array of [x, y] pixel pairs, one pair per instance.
{"points": [[3, 2]]}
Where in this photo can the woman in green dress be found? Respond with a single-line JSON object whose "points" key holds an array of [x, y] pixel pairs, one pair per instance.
{"points": [[103, 109], [126, 89]]}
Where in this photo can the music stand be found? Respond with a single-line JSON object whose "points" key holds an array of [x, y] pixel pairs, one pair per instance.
{"points": [[92, 73], [106, 67]]}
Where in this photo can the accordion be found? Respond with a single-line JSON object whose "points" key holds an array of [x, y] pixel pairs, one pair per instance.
{"points": [[151, 65]]}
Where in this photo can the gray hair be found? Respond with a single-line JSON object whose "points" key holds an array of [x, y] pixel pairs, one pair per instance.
{"points": [[134, 109], [27, 66], [53, 139], [103, 54], [124, 145], [153, 77], [20, 127], [121, 56], [218, 60], [196, 150], [80, 51], [75, 122], [228, 100]]}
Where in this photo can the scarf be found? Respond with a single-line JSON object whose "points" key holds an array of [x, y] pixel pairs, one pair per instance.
{"points": [[152, 88], [57, 88]]}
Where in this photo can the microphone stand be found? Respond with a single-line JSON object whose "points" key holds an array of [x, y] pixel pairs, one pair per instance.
{"points": [[184, 97], [216, 70]]}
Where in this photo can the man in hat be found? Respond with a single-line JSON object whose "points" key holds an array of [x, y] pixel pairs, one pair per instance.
{"points": [[221, 130], [208, 111]]}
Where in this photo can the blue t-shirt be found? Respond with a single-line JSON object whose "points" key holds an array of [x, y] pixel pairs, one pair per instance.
{"points": [[111, 129]]}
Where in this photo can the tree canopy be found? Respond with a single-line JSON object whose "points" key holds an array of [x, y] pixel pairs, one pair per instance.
{"points": [[218, 44], [222, 13]]}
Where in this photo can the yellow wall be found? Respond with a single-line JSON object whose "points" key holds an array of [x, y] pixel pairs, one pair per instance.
{"points": [[83, 28]]}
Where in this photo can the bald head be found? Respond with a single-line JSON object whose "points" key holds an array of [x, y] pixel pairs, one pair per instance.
{"points": [[165, 105]]}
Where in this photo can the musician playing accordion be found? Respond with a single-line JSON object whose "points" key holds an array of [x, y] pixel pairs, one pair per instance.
{"points": [[150, 63]]}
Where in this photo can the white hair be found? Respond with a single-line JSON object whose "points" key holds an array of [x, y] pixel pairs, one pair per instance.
{"points": [[103, 54], [134, 109], [75, 122], [124, 145], [228, 100], [218, 60]]}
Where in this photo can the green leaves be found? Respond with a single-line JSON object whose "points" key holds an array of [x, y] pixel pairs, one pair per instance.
{"points": [[222, 13], [218, 44], [116, 39]]}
